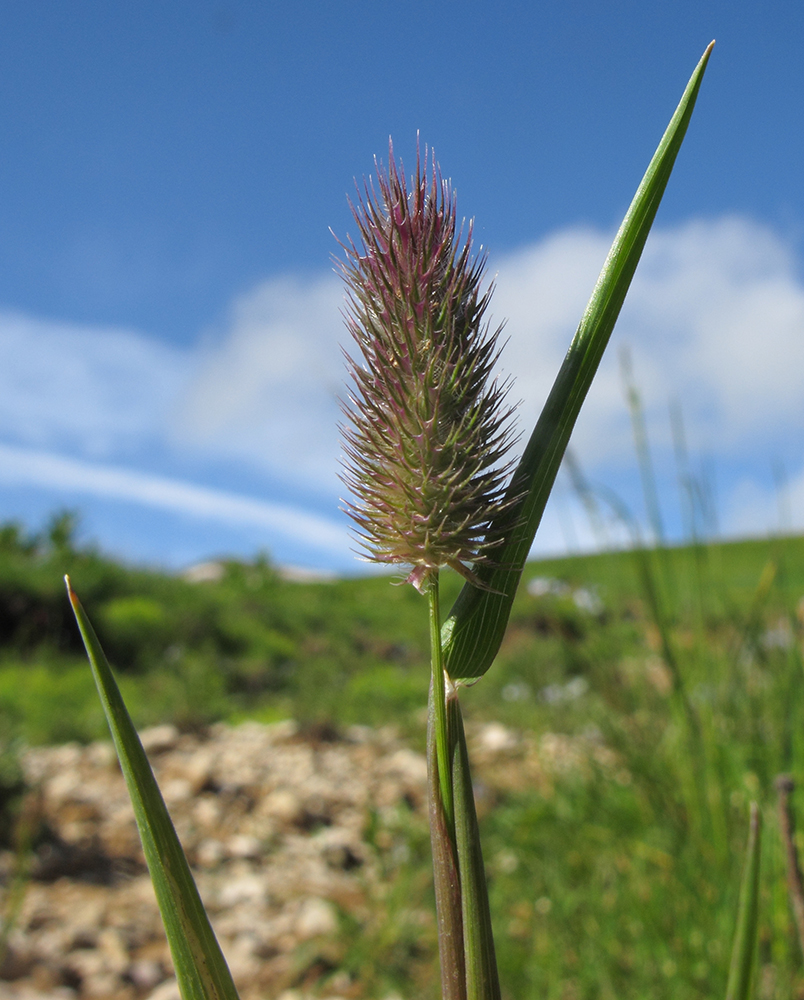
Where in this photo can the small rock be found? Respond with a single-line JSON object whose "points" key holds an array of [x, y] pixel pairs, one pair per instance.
{"points": [[316, 918], [114, 951], [177, 790], [145, 973], [246, 889], [281, 805], [409, 765], [169, 990], [495, 738], [286, 729], [159, 739], [209, 853], [205, 572], [207, 811], [101, 754], [242, 846]]}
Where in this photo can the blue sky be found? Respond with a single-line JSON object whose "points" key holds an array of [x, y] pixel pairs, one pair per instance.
{"points": [[169, 320]]}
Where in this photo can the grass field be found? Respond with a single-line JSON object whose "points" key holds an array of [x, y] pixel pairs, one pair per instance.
{"points": [[616, 879]]}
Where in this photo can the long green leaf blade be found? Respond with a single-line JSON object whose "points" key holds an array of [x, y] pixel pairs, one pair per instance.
{"points": [[745, 937], [482, 978], [474, 629], [201, 969]]}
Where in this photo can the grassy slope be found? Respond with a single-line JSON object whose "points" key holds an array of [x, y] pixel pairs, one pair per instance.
{"points": [[620, 882]]}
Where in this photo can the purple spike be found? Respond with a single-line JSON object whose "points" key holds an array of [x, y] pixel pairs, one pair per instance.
{"points": [[428, 429]]}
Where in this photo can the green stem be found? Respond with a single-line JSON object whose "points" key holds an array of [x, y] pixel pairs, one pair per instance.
{"points": [[446, 879], [442, 819], [440, 705]]}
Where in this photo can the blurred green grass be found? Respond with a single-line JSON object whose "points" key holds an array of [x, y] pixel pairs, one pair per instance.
{"points": [[618, 879]]}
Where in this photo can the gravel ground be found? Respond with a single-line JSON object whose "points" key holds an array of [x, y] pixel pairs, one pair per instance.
{"points": [[274, 822]]}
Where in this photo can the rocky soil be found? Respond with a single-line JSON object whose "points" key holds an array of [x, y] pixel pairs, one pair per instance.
{"points": [[287, 832]]}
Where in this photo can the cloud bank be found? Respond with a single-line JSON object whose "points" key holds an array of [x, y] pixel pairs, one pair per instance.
{"points": [[101, 392], [267, 391], [714, 320], [30, 468]]}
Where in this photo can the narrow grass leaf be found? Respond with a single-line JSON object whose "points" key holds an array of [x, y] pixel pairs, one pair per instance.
{"points": [[201, 969], [482, 979], [745, 937], [475, 627]]}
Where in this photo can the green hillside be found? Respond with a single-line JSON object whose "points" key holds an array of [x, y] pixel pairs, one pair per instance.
{"points": [[682, 666], [355, 650]]}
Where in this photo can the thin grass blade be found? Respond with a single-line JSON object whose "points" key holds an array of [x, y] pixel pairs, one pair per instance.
{"points": [[482, 979], [745, 937], [201, 969], [475, 627]]}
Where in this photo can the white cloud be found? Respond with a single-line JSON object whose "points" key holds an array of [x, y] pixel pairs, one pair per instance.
{"points": [[756, 508], [541, 292], [100, 390], [267, 392], [20, 466], [718, 308], [715, 320]]}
